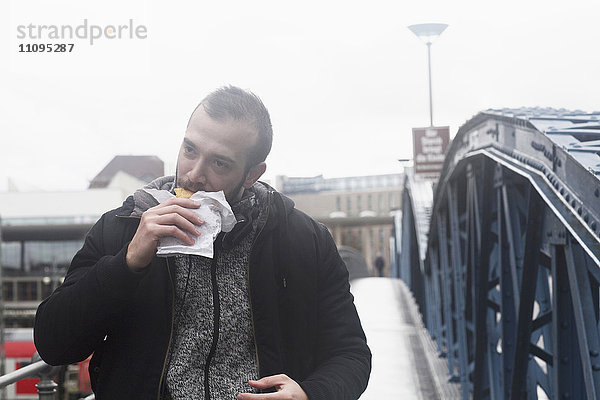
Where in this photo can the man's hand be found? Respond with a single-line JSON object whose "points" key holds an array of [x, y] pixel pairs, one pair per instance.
{"points": [[174, 218], [287, 389]]}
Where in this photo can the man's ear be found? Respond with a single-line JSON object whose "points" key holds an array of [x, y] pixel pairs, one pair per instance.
{"points": [[254, 174]]}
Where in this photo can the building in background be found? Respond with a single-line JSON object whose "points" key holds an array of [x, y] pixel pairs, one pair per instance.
{"points": [[128, 173], [41, 231], [357, 210]]}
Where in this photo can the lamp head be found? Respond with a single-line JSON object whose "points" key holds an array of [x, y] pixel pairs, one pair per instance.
{"points": [[428, 32]]}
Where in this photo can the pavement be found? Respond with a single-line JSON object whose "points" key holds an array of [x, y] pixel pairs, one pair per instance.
{"points": [[405, 361]]}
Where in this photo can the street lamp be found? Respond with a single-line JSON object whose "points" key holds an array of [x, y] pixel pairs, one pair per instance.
{"points": [[428, 33]]}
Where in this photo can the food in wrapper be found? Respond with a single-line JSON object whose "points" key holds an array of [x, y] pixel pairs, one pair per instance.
{"points": [[214, 211], [183, 193]]}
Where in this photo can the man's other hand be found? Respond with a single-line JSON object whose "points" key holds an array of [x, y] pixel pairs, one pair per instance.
{"points": [[287, 389], [174, 218]]}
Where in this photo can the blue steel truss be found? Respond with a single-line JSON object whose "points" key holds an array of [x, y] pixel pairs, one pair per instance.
{"points": [[506, 271]]}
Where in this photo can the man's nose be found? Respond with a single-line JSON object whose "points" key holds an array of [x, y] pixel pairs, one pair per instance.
{"points": [[198, 173]]}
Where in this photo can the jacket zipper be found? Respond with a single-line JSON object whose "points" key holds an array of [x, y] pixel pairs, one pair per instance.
{"points": [[249, 289], [162, 375], [216, 324]]}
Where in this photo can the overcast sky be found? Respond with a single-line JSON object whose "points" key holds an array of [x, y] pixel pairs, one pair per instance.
{"points": [[345, 81]]}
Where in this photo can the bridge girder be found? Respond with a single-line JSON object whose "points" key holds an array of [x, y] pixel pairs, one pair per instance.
{"points": [[509, 276]]}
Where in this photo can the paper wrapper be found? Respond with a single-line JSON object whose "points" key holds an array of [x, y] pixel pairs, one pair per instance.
{"points": [[214, 211]]}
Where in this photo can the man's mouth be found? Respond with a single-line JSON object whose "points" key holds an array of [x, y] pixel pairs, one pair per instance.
{"points": [[190, 186]]}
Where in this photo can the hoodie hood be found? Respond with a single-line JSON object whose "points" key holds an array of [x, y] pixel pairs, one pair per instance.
{"points": [[280, 205], [143, 200]]}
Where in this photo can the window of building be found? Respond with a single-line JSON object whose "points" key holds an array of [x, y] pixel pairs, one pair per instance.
{"points": [[11, 255], [27, 291], [338, 203], [360, 241], [8, 293], [50, 256], [46, 288]]}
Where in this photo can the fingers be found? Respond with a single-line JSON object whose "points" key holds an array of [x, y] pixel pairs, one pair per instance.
{"points": [[183, 207], [185, 203], [287, 389], [175, 217], [175, 231], [183, 224], [269, 381]]}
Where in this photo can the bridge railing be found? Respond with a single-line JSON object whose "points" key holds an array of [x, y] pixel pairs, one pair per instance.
{"points": [[38, 368], [508, 278], [47, 388]]}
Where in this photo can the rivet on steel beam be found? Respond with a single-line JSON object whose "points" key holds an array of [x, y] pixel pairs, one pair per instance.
{"points": [[596, 367], [594, 353], [566, 395], [564, 360]]}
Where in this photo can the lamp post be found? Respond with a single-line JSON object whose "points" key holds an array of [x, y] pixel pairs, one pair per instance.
{"points": [[428, 33]]}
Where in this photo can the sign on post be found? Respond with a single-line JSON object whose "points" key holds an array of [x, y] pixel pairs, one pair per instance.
{"points": [[429, 150]]}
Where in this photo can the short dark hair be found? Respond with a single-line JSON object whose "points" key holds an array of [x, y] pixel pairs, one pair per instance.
{"points": [[241, 105]]}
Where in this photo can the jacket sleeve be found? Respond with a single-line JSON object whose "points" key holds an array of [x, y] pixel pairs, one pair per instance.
{"points": [[344, 359], [77, 317]]}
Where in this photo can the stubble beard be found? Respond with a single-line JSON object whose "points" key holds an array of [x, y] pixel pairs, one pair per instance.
{"points": [[231, 197]]}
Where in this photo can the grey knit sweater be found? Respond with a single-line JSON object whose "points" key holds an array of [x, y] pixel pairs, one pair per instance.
{"points": [[214, 327]]}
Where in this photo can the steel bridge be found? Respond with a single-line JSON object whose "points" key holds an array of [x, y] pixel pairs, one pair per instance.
{"points": [[502, 255]]}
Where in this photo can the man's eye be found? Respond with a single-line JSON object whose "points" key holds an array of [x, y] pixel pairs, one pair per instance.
{"points": [[221, 164], [188, 149]]}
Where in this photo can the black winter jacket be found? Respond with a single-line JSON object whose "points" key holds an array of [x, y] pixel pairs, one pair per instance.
{"points": [[305, 322]]}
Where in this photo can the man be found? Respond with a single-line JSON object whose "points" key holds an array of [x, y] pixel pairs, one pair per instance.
{"points": [[270, 316]]}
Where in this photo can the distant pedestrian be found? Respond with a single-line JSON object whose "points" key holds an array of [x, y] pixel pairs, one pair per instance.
{"points": [[379, 265]]}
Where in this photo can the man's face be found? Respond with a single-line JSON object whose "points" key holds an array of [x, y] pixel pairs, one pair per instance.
{"points": [[213, 156]]}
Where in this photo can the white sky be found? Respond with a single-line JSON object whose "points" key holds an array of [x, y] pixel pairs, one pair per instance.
{"points": [[345, 81]]}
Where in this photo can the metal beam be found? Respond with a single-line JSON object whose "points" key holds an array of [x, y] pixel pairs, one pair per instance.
{"points": [[482, 241], [446, 292], [585, 322], [459, 292], [533, 239]]}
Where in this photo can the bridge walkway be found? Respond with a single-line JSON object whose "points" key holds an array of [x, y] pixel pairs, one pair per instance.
{"points": [[406, 364]]}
